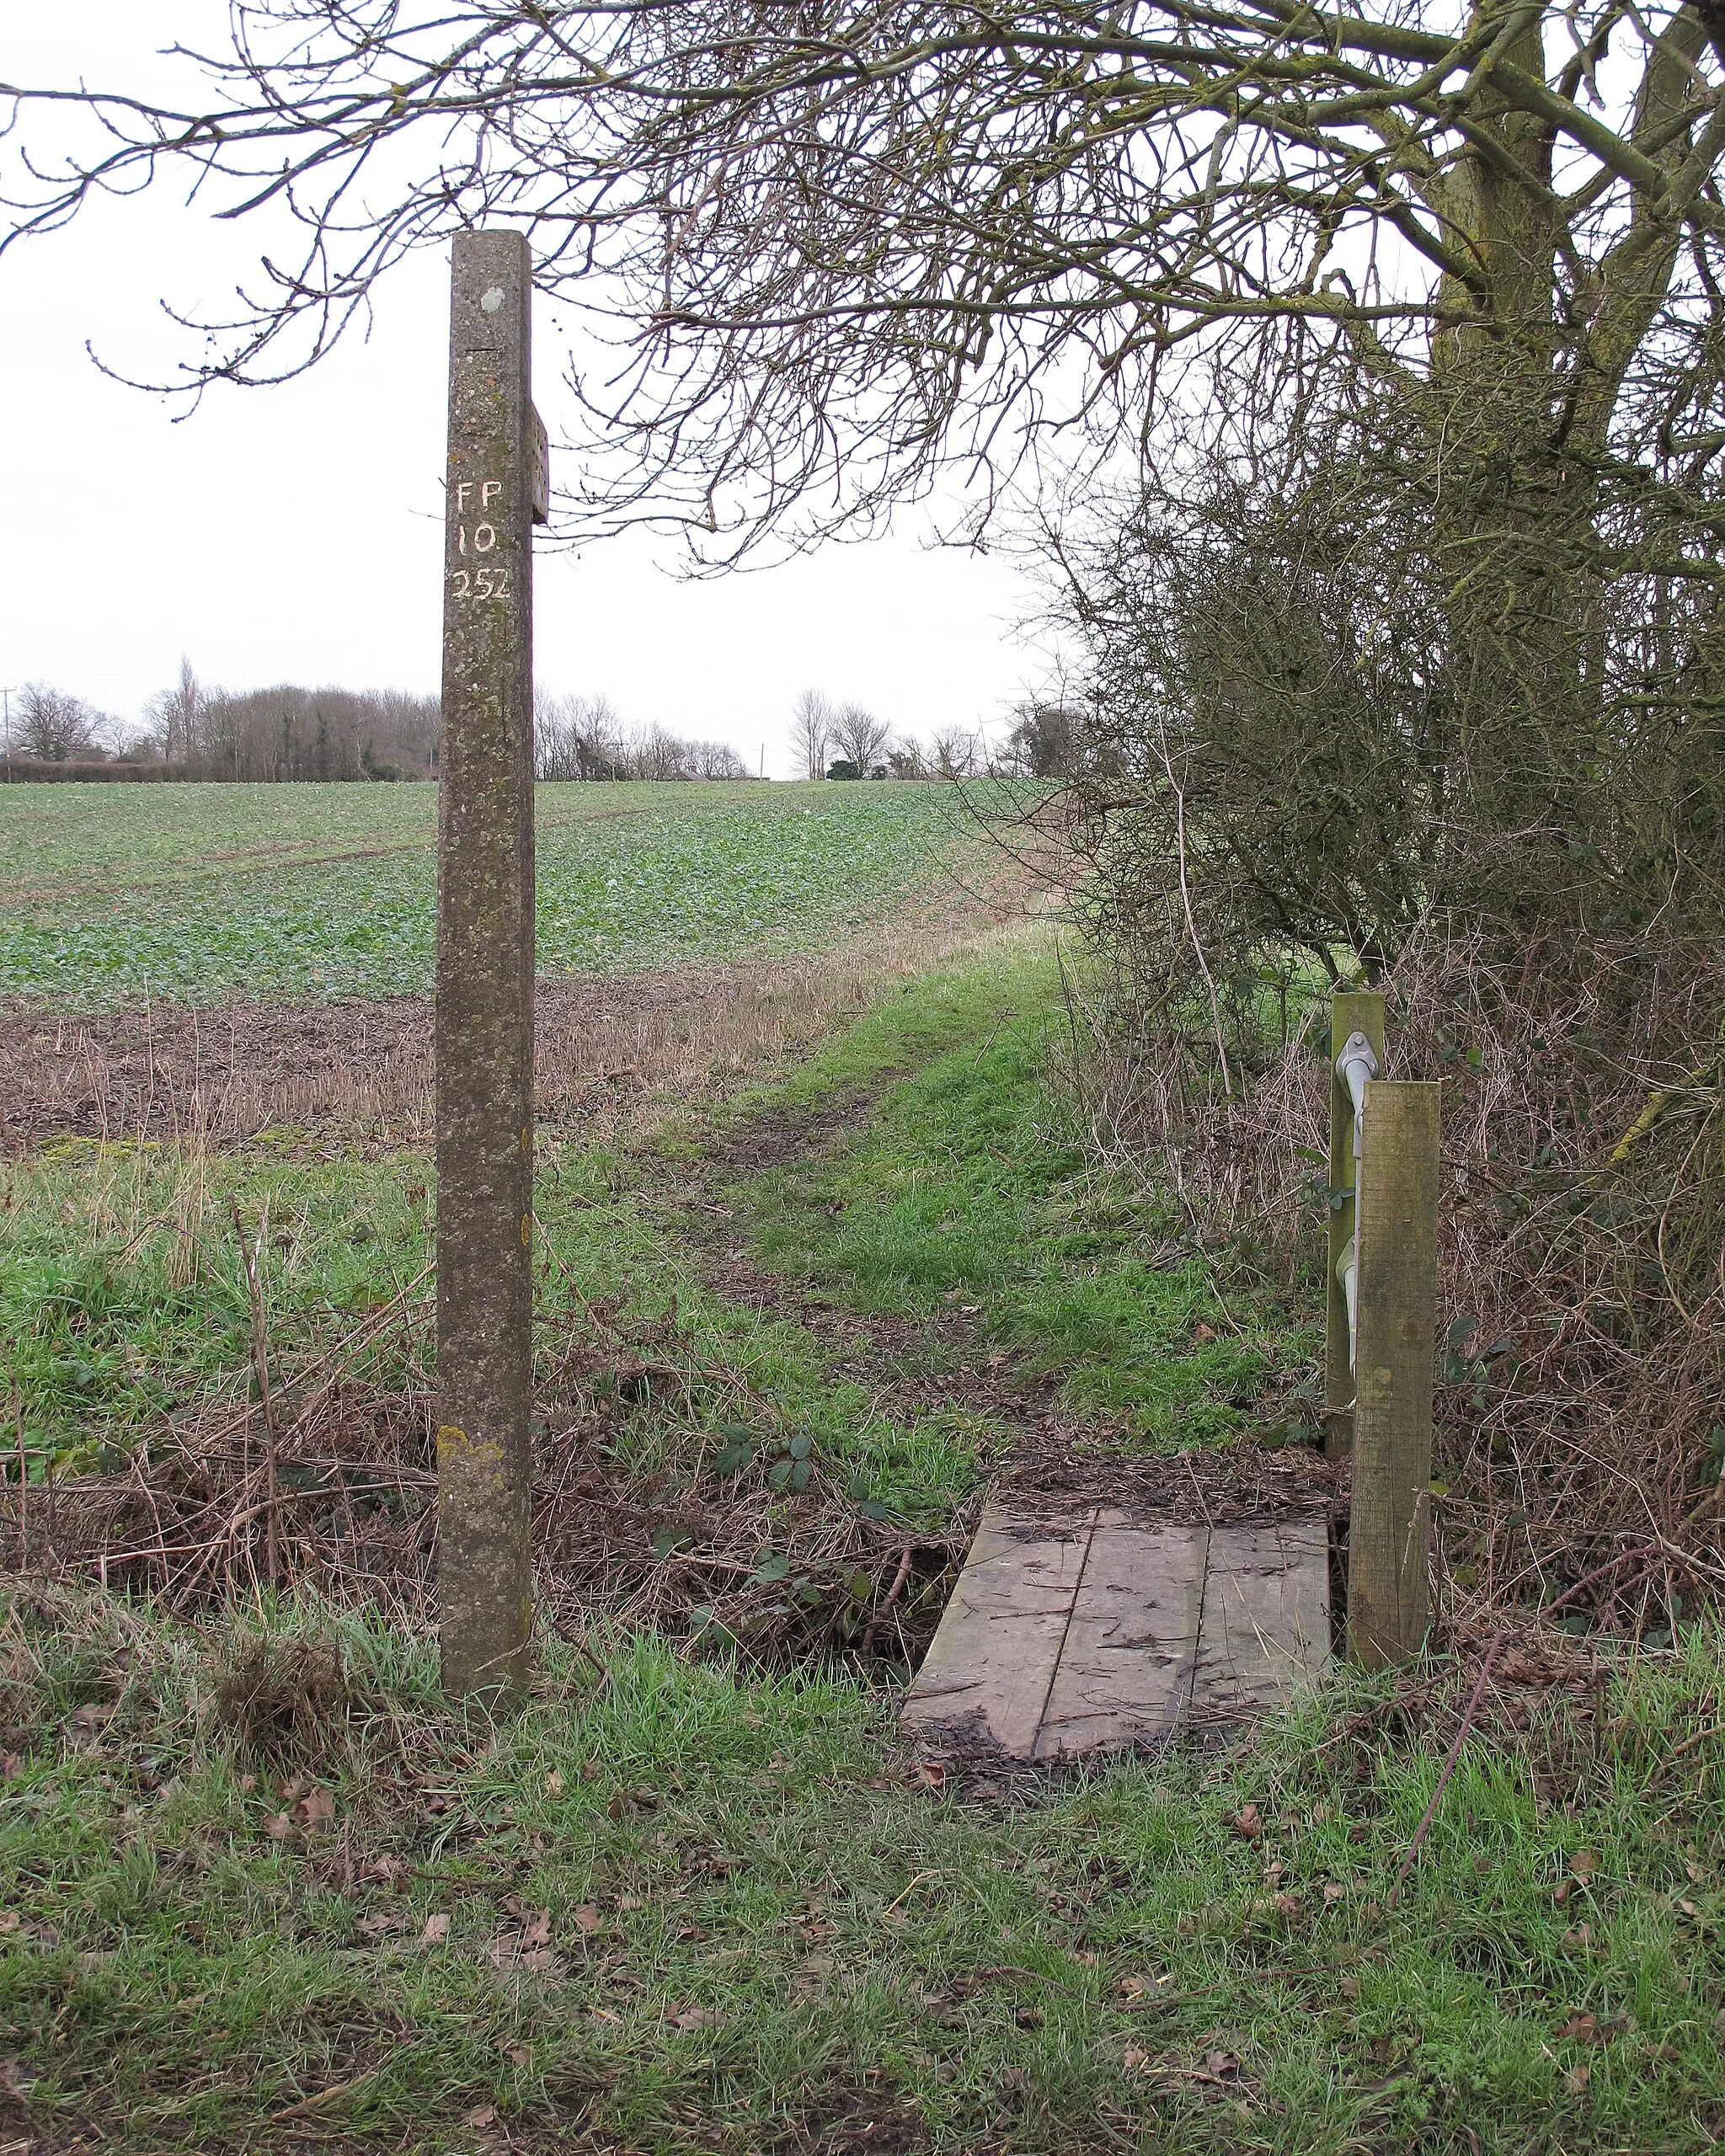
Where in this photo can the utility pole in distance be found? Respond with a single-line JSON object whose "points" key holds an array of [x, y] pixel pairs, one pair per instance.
{"points": [[497, 490]]}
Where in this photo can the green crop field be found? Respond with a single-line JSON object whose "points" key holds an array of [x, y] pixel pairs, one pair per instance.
{"points": [[110, 893]]}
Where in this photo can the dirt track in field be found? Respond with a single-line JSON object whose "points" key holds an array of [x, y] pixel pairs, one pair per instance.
{"points": [[922, 1368], [219, 1076]]}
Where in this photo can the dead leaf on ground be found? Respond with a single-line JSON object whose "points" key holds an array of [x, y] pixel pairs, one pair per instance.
{"points": [[694, 2017], [484, 2117], [14, 1925], [84, 1725], [1223, 2065], [1577, 2079], [1585, 2028], [588, 1917], [309, 1813], [1135, 2060], [316, 1808], [437, 1928], [1248, 1823]]}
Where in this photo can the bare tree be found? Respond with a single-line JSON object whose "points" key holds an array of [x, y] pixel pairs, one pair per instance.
{"points": [[176, 716], [1044, 742], [931, 216], [55, 728], [847, 245], [715, 760], [812, 720], [957, 754], [577, 738], [861, 738]]}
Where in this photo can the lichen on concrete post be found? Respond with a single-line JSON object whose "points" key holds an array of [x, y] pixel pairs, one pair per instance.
{"points": [[484, 1027]]}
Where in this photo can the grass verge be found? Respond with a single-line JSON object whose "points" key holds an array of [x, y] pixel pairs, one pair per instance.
{"points": [[258, 1885], [681, 1907]]}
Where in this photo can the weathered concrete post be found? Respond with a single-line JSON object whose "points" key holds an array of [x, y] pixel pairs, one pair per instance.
{"points": [[484, 1030], [1388, 1531], [1351, 1011]]}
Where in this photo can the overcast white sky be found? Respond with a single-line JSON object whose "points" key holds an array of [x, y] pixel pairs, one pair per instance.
{"points": [[295, 533]]}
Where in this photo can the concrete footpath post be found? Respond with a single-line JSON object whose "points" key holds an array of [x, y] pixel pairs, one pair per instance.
{"points": [[1390, 1517], [1351, 1011], [484, 1026]]}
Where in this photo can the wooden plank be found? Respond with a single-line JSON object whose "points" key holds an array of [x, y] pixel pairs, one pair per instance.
{"points": [[1265, 1631], [988, 1670], [1125, 1672]]}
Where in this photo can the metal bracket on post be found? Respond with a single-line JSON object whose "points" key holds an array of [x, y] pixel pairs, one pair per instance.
{"points": [[1357, 1062], [1357, 1054]]}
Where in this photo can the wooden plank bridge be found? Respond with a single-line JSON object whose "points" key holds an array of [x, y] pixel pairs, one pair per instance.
{"points": [[1103, 1632]]}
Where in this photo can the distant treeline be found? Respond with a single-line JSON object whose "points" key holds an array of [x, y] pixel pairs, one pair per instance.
{"points": [[583, 737], [191, 731], [287, 733]]}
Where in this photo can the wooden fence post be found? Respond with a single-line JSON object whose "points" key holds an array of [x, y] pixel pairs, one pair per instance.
{"points": [[484, 1022], [1351, 1011], [1390, 1520]]}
